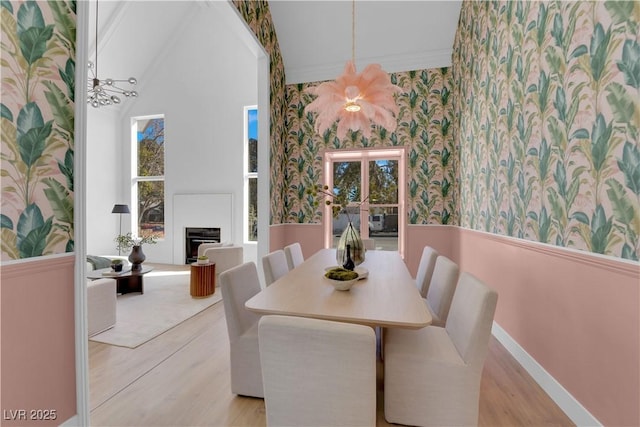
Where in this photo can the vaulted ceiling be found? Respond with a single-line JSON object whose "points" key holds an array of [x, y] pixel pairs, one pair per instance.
{"points": [[315, 37]]}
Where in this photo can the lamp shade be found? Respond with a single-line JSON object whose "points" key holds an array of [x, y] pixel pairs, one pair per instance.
{"points": [[120, 209]]}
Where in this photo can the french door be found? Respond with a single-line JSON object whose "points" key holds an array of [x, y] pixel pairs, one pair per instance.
{"points": [[373, 184]]}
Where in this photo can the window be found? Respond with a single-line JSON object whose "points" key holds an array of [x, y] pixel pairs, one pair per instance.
{"points": [[147, 190], [373, 181], [251, 174]]}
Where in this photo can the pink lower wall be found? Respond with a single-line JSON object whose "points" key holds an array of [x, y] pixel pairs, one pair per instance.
{"points": [[442, 238], [309, 236], [38, 340], [575, 313]]}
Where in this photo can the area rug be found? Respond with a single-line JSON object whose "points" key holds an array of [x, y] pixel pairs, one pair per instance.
{"points": [[166, 302]]}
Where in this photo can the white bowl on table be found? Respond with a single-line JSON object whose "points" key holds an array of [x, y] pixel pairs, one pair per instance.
{"points": [[341, 285]]}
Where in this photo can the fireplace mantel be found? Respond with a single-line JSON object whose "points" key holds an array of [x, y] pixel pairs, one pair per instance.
{"points": [[207, 210]]}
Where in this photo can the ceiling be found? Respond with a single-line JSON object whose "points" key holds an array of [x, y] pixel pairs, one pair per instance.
{"points": [[314, 36], [132, 34]]}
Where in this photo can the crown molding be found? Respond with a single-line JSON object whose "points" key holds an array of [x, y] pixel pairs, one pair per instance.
{"points": [[389, 63]]}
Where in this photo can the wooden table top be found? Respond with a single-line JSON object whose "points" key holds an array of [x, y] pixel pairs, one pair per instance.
{"points": [[388, 297]]}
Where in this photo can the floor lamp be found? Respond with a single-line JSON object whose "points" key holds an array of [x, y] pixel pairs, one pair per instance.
{"points": [[120, 209]]}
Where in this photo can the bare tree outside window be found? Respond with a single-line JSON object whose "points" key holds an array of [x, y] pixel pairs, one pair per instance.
{"points": [[150, 176], [251, 174], [253, 190]]}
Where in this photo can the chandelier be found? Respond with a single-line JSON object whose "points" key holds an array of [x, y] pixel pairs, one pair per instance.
{"points": [[105, 92], [355, 101]]}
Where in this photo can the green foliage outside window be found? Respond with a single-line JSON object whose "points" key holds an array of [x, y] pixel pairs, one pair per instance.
{"points": [[151, 177]]}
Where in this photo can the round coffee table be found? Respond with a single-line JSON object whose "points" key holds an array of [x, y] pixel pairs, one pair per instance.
{"points": [[126, 281]]}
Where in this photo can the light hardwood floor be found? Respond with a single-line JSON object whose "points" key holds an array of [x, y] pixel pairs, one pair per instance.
{"points": [[181, 378]]}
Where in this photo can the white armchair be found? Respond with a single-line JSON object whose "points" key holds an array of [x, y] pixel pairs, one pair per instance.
{"points": [[225, 256]]}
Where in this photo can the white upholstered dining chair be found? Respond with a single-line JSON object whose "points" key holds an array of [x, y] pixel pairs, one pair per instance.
{"points": [[425, 269], [432, 375], [274, 266], [441, 289], [294, 255], [318, 372], [369, 244], [238, 284]]}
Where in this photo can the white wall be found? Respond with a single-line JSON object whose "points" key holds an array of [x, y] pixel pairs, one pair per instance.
{"points": [[201, 84], [103, 181]]}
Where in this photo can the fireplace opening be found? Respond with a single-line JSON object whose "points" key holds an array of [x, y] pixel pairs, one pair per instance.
{"points": [[194, 236]]}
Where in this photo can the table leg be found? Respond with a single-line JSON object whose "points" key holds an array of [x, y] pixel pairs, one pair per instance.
{"points": [[130, 284]]}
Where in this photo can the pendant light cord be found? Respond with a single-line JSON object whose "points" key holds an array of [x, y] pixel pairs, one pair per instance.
{"points": [[353, 32], [96, 38], [102, 94]]}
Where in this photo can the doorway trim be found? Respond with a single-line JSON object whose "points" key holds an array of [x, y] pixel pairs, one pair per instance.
{"points": [[80, 221]]}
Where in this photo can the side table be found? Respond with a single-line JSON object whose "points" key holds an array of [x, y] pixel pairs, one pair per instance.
{"points": [[203, 279]]}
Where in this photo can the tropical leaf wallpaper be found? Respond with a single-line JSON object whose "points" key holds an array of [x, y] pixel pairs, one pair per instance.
{"points": [[547, 116], [258, 17], [424, 128], [532, 133], [37, 113]]}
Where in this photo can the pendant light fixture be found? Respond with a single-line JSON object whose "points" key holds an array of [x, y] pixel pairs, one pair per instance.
{"points": [[355, 100], [105, 92]]}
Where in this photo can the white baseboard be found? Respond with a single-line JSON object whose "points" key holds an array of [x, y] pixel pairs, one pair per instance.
{"points": [[569, 405], [71, 422]]}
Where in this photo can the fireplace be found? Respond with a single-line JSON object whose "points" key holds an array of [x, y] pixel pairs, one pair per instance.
{"points": [[194, 236]]}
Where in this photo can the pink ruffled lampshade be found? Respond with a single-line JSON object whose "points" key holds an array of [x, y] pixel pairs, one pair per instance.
{"points": [[371, 91]]}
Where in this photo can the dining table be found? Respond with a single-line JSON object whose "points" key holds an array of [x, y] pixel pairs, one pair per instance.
{"points": [[387, 296]]}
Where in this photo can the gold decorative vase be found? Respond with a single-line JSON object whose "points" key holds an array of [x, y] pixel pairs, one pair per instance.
{"points": [[350, 236]]}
